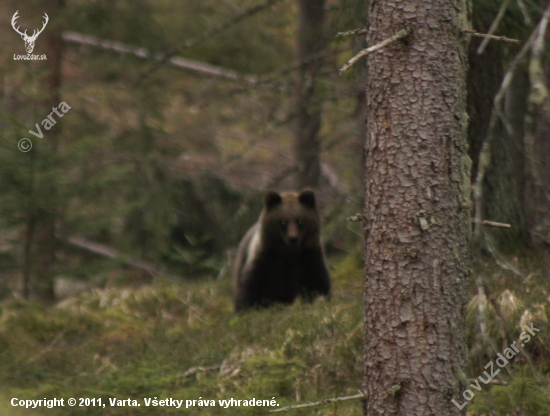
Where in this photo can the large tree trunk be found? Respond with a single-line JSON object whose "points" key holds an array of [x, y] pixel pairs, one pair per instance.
{"points": [[310, 41], [417, 213]]}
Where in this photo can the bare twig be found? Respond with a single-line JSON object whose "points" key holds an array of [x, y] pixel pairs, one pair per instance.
{"points": [[493, 381], [49, 348], [208, 34], [200, 316], [399, 35], [494, 26], [354, 32], [142, 53], [269, 78], [199, 369], [356, 218], [526, 18], [105, 251], [493, 223], [500, 260], [323, 402], [493, 37]]}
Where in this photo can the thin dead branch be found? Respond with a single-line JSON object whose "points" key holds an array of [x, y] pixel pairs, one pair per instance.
{"points": [[323, 402], [199, 369], [492, 37], [494, 26], [494, 381], [499, 259], [399, 35], [105, 251], [142, 53], [493, 223], [208, 34], [354, 32], [356, 218], [526, 18], [268, 78], [49, 348]]}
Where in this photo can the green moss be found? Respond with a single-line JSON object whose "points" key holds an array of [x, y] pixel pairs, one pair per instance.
{"points": [[167, 340]]}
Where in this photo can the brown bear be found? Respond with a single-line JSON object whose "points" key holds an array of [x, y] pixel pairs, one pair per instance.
{"points": [[281, 256]]}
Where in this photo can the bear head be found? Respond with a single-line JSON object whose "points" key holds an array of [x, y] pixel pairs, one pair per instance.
{"points": [[290, 221]]}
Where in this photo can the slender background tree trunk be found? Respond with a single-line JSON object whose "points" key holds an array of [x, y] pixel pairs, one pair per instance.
{"points": [[418, 209], [310, 42], [537, 173], [504, 181], [46, 213]]}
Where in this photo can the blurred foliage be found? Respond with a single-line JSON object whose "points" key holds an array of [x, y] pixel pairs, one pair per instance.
{"points": [[159, 164]]}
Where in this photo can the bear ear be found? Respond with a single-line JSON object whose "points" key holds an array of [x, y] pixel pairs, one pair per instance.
{"points": [[272, 199], [307, 198]]}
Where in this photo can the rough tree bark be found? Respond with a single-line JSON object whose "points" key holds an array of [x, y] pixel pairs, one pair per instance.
{"points": [[308, 124], [417, 219]]}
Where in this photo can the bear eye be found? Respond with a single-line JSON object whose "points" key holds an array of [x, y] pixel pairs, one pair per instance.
{"points": [[284, 223], [301, 222]]}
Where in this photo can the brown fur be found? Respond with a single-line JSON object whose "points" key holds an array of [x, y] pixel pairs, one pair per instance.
{"points": [[281, 256]]}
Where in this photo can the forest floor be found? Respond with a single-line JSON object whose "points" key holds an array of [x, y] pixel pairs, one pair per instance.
{"points": [[181, 341]]}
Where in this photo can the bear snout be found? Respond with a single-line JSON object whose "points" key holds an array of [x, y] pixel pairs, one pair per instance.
{"points": [[292, 233]]}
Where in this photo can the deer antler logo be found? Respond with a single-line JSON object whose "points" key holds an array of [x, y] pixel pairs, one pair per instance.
{"points": [[29, 40]]}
